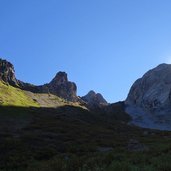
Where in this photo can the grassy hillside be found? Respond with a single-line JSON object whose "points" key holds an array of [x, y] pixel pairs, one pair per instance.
{"points": [[11, 96], [50, 100], [44, 132], [71, 138]]}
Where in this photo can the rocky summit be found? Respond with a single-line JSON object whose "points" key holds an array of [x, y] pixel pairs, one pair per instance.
{"points": [[94, 100], [61, 87], [7, 73], [149, 99]]}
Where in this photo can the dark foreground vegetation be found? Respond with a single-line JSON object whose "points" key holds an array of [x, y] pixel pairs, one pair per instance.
{"points": [[73, 139]]}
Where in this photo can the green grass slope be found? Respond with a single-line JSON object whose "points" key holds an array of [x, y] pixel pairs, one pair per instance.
{"points": [[11, 96], [50, 100]]}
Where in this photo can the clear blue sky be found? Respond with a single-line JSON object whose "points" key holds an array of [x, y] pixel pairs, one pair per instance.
{"points": [[104, 45]]}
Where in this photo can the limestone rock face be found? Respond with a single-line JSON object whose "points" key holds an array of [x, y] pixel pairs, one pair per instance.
{"points": [[149, 100], [61, 87], [94, 99], [7, 73]]}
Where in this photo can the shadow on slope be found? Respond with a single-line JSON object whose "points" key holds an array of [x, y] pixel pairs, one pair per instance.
{"points": [[29, 135]]}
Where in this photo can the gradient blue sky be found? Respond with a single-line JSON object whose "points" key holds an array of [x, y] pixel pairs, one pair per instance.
{"points": [[104, 45]]}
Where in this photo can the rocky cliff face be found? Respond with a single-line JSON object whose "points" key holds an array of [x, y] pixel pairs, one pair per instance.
{"points": [[94, 100], [61, 87], [7, 73], [149, 100]]}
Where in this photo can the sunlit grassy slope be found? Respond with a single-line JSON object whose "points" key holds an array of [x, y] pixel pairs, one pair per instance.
{"points": [[11, 96]]}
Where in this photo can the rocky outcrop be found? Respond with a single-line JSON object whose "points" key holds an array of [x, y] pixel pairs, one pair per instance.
{"points": [[61, 87], [7, 73], [94, 100], [149, 100]]}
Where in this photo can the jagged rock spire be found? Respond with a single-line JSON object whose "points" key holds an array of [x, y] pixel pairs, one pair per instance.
{"points": [[7, 73], [62, 87], [94, 99]]}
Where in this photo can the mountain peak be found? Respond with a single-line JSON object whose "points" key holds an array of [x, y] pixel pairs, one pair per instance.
{"points": [[150, 97], [62, 87], [91, 93], [94, 99], [7, 72], [163, 66], [60, 78]]}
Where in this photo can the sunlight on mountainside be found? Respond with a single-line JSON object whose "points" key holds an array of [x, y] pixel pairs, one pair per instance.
{"points": [[10, 96]]}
